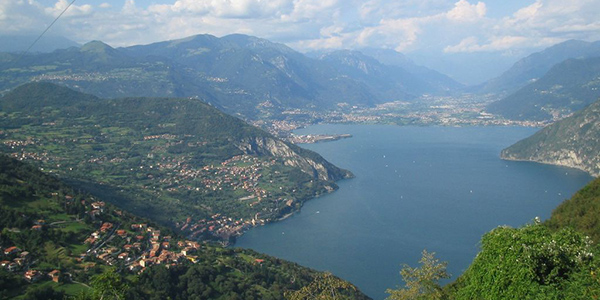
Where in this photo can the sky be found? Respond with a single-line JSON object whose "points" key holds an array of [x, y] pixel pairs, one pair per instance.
{"points": [[422, 28]]}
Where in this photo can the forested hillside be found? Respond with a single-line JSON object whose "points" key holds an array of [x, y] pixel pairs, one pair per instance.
{"points": [[572, 142], [178, 161], [55, 243]]}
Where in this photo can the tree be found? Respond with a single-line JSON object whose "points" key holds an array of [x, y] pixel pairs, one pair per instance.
{"points": [[422, 282], [109, 285], [325, 287], [532, 263]]}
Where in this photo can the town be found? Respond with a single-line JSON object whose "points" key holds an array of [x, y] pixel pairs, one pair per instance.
{"points": [[132, 248]]}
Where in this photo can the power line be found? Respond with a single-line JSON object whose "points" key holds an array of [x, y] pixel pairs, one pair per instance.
{"points": [[44, 32]]}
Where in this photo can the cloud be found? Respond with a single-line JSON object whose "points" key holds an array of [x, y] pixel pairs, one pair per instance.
{"points": [[471, 44], [448, 26], [74, 10], [229, 8], [463, 11]]}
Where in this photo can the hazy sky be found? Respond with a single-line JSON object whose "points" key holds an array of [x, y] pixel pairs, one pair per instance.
{"points": [[404, 25], [437, 27]]}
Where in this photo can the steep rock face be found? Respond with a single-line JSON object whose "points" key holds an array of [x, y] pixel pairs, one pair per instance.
{"points": [[315, 166], [573, 142]]}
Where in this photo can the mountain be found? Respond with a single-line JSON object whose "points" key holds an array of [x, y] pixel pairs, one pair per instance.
{"points": [[437, 81], [566, 88], [572, 142], [534, 66], [179, 161], [47, 43], [384, 81], [243, 75], [65, 243], [388, 80]]}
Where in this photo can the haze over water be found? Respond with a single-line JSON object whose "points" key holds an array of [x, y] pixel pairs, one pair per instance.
{"points": [[434, 188]]}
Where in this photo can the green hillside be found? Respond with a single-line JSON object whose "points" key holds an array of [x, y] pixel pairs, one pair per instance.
{"points": [[566, 88], [572, 142], [58, 230], [178, 161], [581, 212], [534, 66]]}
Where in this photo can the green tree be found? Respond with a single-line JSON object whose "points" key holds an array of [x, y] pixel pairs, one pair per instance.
{"points": [[422, 283], [109, 285], [325, 287], [532, 263]]}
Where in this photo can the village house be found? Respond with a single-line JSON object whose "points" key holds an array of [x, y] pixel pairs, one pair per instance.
{"points": [[139, 226], [54, 275], [19, 261], [134, 267], [33, 275], [12, 267], [106, 226], [11, 250], [99, 205]]}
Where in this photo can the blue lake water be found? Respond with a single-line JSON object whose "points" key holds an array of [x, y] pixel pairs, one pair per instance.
{"points": [[434, 188]]}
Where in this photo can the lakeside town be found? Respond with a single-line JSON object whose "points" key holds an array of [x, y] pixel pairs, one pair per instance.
{"points": [[461, 110]]}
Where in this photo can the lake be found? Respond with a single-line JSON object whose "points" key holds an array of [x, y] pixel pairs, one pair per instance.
{"points": [[434, 188]]}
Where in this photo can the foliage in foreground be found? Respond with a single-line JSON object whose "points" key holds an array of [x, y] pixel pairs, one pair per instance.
{"points": [[532, 263], [325, 287], [421, 282], [581, 212]]}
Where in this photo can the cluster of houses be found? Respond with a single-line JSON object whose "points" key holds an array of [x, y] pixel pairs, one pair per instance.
{"points": [[93, 76], [239, 172], [141, 246], [159, 137], [219, 226], [16, 260]]}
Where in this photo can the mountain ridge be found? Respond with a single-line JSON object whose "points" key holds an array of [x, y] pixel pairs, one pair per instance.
{"points": [[566, 88], [535, 65], [243, 75], [572, 142]]}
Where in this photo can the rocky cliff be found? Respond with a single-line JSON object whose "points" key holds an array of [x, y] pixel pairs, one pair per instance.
{"points": [[294, 156], [573, 142]]}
